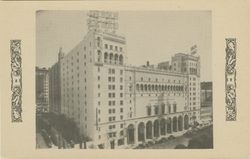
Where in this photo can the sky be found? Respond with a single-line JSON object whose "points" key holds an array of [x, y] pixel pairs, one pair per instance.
{"points": [[152, 36]]}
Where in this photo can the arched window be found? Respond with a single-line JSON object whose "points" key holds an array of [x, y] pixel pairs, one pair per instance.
{"points": [[149, 87], [105, 57], [174, 107], [99, 56], [111, 58], [121, 60], [153, 87], [116, 59], [141, 87], [145, 87], [137, 87]]}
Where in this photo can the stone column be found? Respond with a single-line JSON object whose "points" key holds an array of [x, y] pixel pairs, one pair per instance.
{"points": [[136, 134]]}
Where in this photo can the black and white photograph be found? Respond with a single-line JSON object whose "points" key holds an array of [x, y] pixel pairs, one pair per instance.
{"points": [[109, 79]]}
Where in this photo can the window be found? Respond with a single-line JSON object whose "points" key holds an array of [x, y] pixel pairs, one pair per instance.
{"points": [[120, 48], [98, 77], [116, 48], [175, 108], [121, 126], [121, 110], [111, 47], [156, 110], [121, 117], [121, 87], [113, 71], [121, 95], [113, 79], [149, 111], [106, 46], [163, 108], [121, 72], [109, 79], [121, 102]]}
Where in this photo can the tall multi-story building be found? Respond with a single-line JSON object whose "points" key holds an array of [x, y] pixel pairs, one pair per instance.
{"points": [[55, 85], [42, 89], [118, 105]]}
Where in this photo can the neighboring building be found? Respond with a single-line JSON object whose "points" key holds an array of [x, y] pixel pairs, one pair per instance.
{"points": [[55, 85], [118, 105], [206, 101], [42, 89]]}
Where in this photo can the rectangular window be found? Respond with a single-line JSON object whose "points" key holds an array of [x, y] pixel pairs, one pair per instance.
{"points": [[149, 111], [121, 102], [121, 79], [121, 87], [121, 117], [163, 109], [121, 95], [121, 110]]}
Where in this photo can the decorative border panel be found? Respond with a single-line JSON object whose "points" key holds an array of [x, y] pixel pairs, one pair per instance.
{"points": [[230, 79], [16, 80]]}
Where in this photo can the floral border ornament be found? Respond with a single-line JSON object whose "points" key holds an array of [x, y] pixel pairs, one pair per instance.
{"points": [[230, 79], [16, 80]]}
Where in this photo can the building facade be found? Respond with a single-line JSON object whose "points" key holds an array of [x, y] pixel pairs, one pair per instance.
{"points": [[42, 89], [118, 105], [55, 85]]}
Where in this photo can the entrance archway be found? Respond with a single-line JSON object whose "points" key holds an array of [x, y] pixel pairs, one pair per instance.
{"points": [[149, 130], [174, 124], [180, 123], [141, 134], [156, 128], [131, 134], [169, 126], [163, 126]]}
